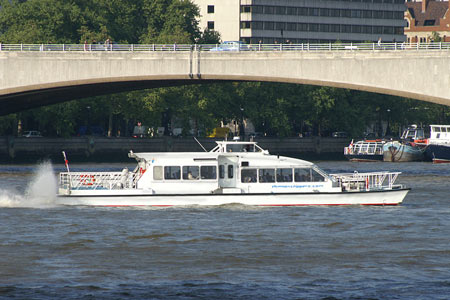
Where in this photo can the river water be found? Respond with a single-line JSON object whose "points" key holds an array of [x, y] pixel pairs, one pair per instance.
{"points": [[227, 252]]}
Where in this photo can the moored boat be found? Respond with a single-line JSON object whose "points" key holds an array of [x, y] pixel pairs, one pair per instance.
{"points": [[402, 151], [438, 144], [366, 150], [408, 148], [232, 172]]}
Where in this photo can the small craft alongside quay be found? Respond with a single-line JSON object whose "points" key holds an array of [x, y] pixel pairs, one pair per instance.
{"points": [[366, 150], [410, 147]]}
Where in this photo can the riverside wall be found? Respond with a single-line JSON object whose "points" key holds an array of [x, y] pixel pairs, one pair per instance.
{"points": [[89, 148]]}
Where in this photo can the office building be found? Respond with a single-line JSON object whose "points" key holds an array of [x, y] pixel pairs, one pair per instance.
{"points": [[305, 21]]}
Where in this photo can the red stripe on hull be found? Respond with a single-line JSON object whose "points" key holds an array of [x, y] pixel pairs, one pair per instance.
{"points": [[440, 161], [371, 204]]}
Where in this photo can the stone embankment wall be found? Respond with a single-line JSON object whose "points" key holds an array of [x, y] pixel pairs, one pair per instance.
{"points": [[20, 149]]}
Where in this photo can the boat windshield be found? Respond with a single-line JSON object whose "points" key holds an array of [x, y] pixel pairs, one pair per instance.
{"points": [[241, 148]]}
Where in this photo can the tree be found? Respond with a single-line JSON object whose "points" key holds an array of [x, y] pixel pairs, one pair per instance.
{"points": [[435, 37]]}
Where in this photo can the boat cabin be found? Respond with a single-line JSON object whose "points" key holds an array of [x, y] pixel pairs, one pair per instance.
{"points": [[413, 133], [228, 168], [439, 134]]}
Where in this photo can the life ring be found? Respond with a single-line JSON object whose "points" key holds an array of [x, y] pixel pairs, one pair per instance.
{"points": [[87, 179]]}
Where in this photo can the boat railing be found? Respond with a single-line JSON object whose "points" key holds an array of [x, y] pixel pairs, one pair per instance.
{"points": [[367, 181], [371, 148], [97, 180]]}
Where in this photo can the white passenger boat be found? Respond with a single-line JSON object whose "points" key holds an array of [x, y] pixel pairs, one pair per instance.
{"points": [[232, 172]]}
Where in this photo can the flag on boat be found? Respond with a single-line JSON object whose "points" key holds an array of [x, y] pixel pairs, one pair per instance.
{"points": [[66, 162]]}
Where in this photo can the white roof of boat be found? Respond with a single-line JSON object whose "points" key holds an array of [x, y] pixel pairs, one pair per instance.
{"points": [[254, 158]]}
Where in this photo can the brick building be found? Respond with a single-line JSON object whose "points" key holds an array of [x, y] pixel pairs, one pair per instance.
{"points": [[425, 17]]}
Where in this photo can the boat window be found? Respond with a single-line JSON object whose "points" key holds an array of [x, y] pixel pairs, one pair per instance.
{"points": [[221, 171], [208, 172], [443, 129], [266, 175], [411, 134], [302, 175], [230, 171], [317, 176], [190, 173], [158, 173], [241, 148], [284, 175], [436, 129], [248, 175], [172, 172]]}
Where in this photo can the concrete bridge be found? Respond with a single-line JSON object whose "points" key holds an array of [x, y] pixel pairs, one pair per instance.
{"points": [[37, 75]]}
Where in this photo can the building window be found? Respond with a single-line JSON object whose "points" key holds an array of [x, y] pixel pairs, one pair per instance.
{"points": [[313, 27], [246, 9], [280, 10], [245, 24], [211, 25], [269, 25], [270, 10], [291, 10], [324, 12], [257, 25], [210, 9]]}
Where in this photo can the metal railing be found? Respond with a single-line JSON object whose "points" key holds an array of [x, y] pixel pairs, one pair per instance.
{"points": [[97, 180], [367, 181], [226, 48]]}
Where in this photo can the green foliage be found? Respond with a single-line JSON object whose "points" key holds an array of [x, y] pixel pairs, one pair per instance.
{"points": [[274, 108], [435, 37], [209, 37], [74, 21]]}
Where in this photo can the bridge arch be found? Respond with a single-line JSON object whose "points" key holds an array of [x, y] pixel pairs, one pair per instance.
{"points": [[31, 79]]}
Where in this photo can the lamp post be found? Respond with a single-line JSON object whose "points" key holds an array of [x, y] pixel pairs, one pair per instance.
{"points": [[88, 129], [242, 129], [388, 132]]}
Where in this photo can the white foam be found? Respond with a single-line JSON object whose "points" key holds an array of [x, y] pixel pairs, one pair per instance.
{"points": [[40, 192]]}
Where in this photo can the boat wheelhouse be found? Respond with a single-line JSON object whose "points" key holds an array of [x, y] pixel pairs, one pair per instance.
{"points": [[438, 144], [232, 172], [367, 150]]}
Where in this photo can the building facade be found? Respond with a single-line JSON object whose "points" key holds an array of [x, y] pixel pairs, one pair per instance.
{"points": [[425, 17], [304, 21]]}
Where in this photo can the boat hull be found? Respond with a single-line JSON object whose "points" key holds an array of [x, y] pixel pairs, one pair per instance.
{"points": [[364, 157], [378, 197], [438, 153], [401, 152]]}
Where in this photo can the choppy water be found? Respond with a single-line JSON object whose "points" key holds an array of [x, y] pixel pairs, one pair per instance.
{"points": [[228, 252]]}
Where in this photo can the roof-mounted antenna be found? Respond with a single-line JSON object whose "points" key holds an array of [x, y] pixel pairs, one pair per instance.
{"points": [[200, 144]]}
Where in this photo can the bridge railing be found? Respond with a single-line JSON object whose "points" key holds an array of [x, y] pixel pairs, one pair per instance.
{"points": [[227, 48]]}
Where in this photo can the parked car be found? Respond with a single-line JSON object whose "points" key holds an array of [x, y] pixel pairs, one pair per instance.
{"points": [[31, 133], [339, 134]]}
